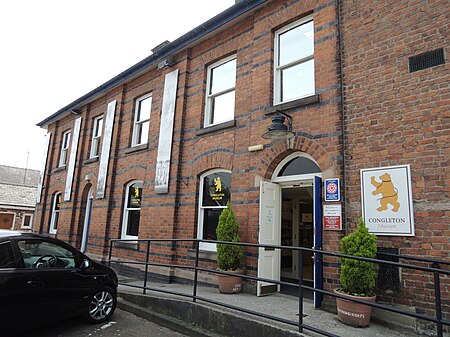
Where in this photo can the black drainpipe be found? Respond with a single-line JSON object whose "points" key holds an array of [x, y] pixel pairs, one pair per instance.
{"points": [[341, 84]]}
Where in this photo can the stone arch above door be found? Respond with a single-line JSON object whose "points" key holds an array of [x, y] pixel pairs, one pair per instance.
{"points": [[274, 155]]}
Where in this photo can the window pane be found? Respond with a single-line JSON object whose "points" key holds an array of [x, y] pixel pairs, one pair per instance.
{"points": [[297, 81], [223, 77], [6, 256], [55, 221], [133, 222], [296, 43], [216, 189], [63, 157], [222, 108], [142, 130], [95, 147], [98, 127], [66, 140], [27, 221], [299, 165], [57, 201], [210, 221], [134, 195], [144, 109], [32, 250]]}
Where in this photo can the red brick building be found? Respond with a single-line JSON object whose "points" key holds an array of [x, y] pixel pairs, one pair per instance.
{"points": [[366, 86]]}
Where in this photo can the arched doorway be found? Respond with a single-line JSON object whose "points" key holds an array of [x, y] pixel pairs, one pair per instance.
{"points": [[290, 215]]}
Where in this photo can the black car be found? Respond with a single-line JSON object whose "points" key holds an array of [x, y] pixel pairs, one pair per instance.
{"points": [[43, 280]]}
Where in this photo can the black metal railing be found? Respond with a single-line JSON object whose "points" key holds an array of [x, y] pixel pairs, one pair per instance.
{"points": [[435, 270]]}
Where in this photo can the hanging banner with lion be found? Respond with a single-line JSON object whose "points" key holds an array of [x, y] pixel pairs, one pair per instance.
{"points": [[387, 200]]}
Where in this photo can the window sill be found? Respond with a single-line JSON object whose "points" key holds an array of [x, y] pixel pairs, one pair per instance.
{"points": [[293, 104], [216, 127], [203, 254], [59, 169], [90, 160], [136, 148]]}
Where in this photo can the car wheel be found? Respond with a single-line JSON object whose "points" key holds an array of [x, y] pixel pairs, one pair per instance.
{"points": [[101, 306]]}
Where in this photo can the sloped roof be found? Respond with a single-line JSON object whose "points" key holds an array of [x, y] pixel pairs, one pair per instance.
{"points": [[18, 186], [18, 176], [14, 195]]}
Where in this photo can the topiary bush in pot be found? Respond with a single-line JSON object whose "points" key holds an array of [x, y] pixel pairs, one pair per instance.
{"points": [[229, 256], [357, 278]]}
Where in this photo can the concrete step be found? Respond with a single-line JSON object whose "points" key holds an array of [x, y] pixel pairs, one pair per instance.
{"points": [[198, 320]]}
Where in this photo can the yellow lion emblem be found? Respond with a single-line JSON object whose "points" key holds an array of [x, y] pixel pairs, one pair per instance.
{"points": [[218, 184], [389, 194]]}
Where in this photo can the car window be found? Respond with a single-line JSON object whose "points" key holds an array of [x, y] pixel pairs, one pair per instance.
{"points": [[45, 254], [6, 255]]}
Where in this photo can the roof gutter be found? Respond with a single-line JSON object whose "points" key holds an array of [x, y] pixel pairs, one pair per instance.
{"points": [[185, 40]]}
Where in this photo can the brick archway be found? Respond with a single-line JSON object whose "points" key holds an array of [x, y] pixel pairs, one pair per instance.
{"points": [[274, 155], [219, 159]]}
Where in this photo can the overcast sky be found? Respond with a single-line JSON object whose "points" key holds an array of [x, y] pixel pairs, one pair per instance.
{"points": [[55, 51]]}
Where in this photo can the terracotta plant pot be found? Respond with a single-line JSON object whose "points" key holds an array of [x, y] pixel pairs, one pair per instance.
{"points": [[230, 284], [352, 313]]}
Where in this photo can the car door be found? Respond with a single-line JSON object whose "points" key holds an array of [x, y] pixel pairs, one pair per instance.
{"points": [[9, 290], [54, 289]]}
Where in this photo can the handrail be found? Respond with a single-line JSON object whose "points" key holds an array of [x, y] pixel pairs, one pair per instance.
{"points": [[435, 270]]}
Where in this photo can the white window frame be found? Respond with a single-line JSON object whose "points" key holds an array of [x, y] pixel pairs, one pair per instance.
{"points": [[65, 144], [206, 245], [31, 221], [135, 141], [55, 214], [96, 136], [210, 97], [277, 69], [127, 209]]}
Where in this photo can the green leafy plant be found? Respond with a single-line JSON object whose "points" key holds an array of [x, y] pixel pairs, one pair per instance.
{"points": [[228, 256], [358, 278]]}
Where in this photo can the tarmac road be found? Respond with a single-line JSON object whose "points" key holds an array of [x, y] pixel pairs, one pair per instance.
{"points": [[122, 324]]}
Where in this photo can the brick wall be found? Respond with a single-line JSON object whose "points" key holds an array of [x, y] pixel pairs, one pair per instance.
{"points": [[395, 117]]}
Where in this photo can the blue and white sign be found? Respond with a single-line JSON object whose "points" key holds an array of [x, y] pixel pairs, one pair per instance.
{"points": [[332, 190]]}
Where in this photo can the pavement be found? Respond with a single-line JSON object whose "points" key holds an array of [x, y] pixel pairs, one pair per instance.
{"points": [[206, 319]]}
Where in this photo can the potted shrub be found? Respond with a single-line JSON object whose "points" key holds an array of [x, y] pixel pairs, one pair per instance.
{"points": [[357, 278], [229, 256]]}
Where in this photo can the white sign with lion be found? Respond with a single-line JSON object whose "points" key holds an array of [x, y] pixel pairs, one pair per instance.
{"points": [[387, 200]]}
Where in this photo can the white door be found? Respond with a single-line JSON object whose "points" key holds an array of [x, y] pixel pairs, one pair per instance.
{"points": [[87, 220], [269, 259]]}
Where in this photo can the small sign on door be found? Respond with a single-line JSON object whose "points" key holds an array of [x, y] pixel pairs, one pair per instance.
{"points": [[332, 217]]}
